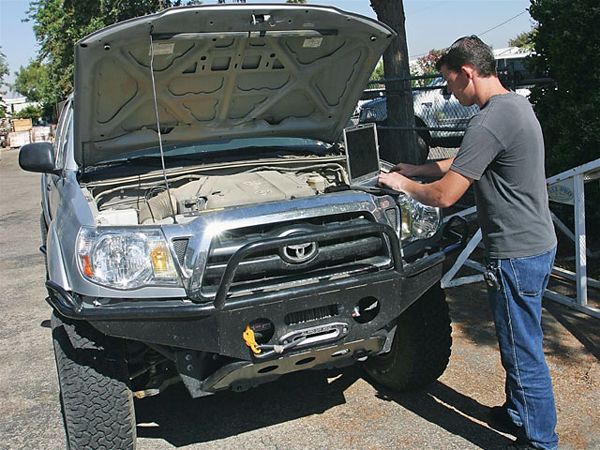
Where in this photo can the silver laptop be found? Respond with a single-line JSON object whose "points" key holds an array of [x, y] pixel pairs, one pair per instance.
{"points": [[362, 154]]}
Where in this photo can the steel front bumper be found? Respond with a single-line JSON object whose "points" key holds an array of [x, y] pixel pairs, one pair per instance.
{"points": [[184, 325]]}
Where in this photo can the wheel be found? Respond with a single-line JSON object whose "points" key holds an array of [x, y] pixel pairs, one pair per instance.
{"points": [[422, 140], [96, 402], [421, 347], [423, 148]]}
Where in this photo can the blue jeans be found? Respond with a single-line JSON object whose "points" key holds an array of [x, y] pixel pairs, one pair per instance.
{"points": [[517, 308]]}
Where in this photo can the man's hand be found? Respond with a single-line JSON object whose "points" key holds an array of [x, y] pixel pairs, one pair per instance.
{"points": [[393, 179], [432, 169], [408, 170]]}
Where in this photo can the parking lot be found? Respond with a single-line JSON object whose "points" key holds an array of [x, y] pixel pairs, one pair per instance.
{"points": [[333, 410]]}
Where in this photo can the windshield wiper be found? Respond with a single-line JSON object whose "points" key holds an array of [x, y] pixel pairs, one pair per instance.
{"points": [[145, 161], [224, 154]]}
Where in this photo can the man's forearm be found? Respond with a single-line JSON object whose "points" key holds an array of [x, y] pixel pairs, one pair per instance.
{"points": [[435, 169], [428, 194], [442, 193]]}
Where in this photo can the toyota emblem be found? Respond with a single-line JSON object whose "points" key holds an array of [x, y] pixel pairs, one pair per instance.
{"points": [[299, 253]]}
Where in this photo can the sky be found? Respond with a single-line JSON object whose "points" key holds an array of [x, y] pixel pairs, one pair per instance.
{"points": [[429, 24]]}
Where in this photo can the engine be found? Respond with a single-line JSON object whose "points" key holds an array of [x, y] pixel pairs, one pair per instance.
{"points": [[192, 194]]}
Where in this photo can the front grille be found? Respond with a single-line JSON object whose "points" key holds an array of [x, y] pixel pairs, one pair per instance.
{"points": [[266, 270], [310, 315]]}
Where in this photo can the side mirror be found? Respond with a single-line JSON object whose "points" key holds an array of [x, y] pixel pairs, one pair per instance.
{"points": [[37, 157]]}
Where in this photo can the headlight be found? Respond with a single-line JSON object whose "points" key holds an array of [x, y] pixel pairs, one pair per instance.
{"points": [[125, 259], [418, 221]]}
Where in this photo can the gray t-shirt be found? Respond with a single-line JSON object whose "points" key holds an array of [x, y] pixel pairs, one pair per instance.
{"points": [[503, 151]]}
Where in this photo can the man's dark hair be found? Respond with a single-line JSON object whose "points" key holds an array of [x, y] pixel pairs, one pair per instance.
{"points": [[469, 50]]}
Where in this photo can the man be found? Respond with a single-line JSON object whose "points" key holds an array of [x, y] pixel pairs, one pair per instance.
{"points": [[502, 153]]}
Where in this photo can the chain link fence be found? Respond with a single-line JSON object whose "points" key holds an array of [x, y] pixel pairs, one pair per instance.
{"points": [[440, 120]]}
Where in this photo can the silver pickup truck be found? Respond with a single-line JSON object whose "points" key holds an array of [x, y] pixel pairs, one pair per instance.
{"points": [[198, 224]]}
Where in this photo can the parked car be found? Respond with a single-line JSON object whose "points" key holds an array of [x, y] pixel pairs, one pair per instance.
{"points": [[198, 225], [442, 118]]}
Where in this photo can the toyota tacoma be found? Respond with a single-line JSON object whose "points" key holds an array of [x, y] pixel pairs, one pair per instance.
{"points": [[199, 225]]}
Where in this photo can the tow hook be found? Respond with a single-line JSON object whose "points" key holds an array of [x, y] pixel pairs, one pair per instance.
{"points": [[306, 336], [250, 340], [257, 349]]}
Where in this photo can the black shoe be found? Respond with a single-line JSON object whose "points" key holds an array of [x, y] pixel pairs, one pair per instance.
{"points": [[501, 421]]}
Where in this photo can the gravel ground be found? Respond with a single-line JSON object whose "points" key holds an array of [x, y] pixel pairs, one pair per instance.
{"points": [[328, 410]]}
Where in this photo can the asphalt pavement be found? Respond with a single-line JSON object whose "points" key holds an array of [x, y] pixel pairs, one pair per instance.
{"points": [[321, 410]]}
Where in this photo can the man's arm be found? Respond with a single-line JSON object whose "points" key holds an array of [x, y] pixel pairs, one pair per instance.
{"points": [[434, 169], [442, 193]]}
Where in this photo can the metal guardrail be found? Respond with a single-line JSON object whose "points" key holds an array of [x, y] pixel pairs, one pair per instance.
{"points": [[565, 188]]}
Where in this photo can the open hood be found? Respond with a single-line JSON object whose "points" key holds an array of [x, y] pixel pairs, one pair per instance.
{"points": [[221, 72]]}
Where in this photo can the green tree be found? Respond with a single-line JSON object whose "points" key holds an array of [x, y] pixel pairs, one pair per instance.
{"points": [[33, 82], [378, 72], [524, 40], [29, 112], [3, 70], [3, 73], [425, 66], [567, 48]]}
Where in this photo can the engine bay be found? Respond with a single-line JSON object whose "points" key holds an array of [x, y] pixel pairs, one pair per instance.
{"points": [[149, 201]]}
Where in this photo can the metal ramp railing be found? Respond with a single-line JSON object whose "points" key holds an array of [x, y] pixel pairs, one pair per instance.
{"points": [[565, 188]]}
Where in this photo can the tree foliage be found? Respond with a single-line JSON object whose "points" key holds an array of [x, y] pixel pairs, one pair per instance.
{"points": [[33, 82], [525, 40], [3, 73], [425, 67], [378, 72], [29, 112], [567, 47], [426, 64], [3, 70]]}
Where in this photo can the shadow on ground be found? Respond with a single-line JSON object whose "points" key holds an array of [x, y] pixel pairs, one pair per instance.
{"points": [[452, 411], [182, 420], [470, 311]]}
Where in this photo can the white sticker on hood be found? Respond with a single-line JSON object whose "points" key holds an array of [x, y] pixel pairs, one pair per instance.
{"points": [[162, 48], [312, 42]]}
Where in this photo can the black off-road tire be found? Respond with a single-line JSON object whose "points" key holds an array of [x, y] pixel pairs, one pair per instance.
{"points": [[421, 347], [96, 402], [422, 140], [423, 147]]}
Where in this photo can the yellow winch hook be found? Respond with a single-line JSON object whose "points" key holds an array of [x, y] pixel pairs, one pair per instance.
{"points": [[250, 340]]}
